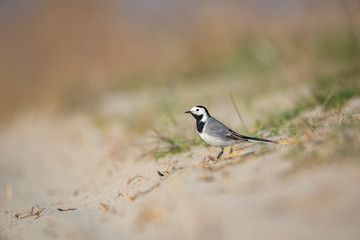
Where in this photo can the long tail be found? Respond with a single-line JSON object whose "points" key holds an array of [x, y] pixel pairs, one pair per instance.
{"points": [[253, 139]]}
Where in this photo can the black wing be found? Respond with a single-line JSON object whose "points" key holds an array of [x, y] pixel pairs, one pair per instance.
{"points": [[236, 136]]}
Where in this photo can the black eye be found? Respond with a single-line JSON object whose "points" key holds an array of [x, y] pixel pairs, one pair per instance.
{"points": [[197, 110]]}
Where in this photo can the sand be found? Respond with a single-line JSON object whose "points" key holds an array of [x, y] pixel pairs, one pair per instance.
{"points": [[59, 179]]}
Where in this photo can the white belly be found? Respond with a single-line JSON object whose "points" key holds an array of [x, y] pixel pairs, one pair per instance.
{"points": [[214, 141]]}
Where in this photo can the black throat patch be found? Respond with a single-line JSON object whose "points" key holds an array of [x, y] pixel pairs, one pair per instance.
{"points": [[199, 124]]}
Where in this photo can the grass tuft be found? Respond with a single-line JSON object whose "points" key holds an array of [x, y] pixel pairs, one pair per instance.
{"points": [[169, 144], [337, 145], [328, 91]]}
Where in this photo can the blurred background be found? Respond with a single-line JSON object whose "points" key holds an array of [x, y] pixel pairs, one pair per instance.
{"points": [[68, 54], [86, 85]]}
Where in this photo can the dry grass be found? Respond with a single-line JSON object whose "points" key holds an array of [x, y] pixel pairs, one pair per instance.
{"points": [[327, 135]]}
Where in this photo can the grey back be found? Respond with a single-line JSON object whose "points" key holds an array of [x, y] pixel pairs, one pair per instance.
{"points": [[215, 128]]}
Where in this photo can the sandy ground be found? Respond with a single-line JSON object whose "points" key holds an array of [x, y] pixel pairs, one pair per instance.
{"points": [[52, 164]]}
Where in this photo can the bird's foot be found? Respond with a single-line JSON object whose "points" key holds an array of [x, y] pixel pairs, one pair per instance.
{"points": [[206, 161], [212, 159], [209, 158]]}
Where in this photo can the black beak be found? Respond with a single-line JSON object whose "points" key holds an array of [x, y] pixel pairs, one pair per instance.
{"points": [[188, 112]]}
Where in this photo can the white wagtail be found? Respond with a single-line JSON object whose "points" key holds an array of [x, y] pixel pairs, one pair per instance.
{"points": [[215, 133]]}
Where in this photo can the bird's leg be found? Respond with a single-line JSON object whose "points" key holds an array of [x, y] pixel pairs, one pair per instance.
{"points": [[220, 153]]}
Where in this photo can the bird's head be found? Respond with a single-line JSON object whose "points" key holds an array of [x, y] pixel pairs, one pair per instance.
{"points": [[199, 112]]}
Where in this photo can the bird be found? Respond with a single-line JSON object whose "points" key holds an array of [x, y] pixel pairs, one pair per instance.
{"points": [[217, 134]]}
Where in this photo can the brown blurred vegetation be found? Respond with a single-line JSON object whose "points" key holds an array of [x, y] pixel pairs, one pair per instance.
{"points": [[69, 51]]}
